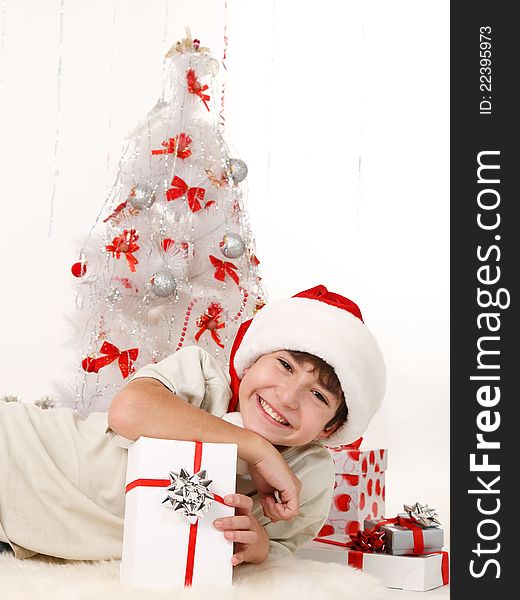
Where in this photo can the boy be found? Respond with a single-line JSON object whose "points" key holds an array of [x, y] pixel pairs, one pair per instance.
{"points": [[305, 370]]}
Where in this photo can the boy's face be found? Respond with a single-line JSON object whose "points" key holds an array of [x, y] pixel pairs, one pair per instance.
{"points": [[283, 402]]}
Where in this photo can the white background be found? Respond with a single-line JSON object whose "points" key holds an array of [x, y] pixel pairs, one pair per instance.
{"points": [[341, 111]]}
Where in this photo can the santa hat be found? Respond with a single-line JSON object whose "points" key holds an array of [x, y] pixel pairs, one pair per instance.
{"points": [[331, 327]]}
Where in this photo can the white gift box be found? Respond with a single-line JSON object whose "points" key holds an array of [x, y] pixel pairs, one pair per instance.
{"points": [[161, 549], [416, 573]]}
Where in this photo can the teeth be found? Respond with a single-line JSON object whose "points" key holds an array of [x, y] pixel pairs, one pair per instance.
{"points": [[272, 413]]}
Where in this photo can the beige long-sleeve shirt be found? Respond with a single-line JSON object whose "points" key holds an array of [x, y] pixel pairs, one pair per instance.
{"points": [[62, 476]]}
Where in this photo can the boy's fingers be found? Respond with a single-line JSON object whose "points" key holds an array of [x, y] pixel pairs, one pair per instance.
{"points": [[286, 512], [238, 522], [288, 509], [268, 511], [278, 511], [237, 558], [243, 503], [242, 537]]}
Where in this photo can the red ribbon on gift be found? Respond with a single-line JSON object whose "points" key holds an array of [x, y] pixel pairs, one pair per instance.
{"points": [[179, 144], [210, 321], [417, 531], [126, 243], [359, 541], [331, 542], [223, 268], [355, 559], [194, 87], [111, 353], [445, 566], [192, 542], [180, 188]]}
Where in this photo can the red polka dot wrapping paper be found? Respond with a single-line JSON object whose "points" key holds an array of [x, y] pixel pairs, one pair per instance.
{"points": [[359, 491]]}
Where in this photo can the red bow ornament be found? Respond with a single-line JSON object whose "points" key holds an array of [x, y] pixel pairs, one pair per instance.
{"points": [[168, 243], [194, 87], [179, 144], [125, 244], [194, 194], [120, 208], [210, 321], [224, 268], [111, 353]]}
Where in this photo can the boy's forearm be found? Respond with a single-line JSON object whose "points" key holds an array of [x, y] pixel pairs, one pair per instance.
{"points": [[145, 407]]}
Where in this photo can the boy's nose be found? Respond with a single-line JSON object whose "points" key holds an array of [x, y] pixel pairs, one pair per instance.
{"points": [[288, 396]]}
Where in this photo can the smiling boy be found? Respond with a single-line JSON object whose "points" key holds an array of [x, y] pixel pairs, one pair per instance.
{"points": [[305, 370]]}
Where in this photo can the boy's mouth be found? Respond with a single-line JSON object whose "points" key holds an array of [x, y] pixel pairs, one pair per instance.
{"points": [[271, 413]]}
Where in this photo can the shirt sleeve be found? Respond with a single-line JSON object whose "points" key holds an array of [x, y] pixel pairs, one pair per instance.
{"points": [[315, 470], [195, 376], [192, 374]]}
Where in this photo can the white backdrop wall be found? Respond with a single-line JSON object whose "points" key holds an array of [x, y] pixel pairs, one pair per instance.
{"points": [[341, 111]]}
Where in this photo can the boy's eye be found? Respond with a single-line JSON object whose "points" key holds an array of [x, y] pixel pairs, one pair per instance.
{"points": [[285, 364], [320, 397]]}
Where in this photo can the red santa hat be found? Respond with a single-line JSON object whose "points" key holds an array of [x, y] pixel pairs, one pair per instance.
{"points": [[331, 327]]}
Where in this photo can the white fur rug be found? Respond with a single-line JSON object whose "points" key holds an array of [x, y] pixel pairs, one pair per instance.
{"points": [[276, 579]]}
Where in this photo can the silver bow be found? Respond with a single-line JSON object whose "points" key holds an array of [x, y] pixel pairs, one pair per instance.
{"points": [[189, 494], [422, 514]]}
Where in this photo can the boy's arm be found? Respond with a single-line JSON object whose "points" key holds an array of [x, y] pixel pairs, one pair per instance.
{"points": [[145, 407]]}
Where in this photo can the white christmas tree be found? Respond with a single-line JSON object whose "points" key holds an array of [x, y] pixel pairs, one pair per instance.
{"points": [[171, 260]]}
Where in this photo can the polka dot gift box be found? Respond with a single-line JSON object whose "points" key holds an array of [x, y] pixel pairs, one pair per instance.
{"points": [[359, 490]]}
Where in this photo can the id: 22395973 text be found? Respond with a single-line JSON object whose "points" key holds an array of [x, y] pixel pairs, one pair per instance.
{"points": [[485, 70]]}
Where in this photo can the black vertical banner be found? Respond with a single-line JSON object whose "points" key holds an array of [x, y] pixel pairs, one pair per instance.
{"points": [[485, 269]]}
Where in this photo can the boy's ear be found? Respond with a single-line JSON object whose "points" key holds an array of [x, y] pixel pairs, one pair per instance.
{"points": [[328, 431]]}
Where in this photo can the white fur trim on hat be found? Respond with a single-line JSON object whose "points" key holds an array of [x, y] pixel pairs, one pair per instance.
{"points": [[334, 335]]}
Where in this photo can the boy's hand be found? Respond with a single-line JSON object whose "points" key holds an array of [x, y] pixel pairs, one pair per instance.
{"points": [[250, 538], [271, 474]]}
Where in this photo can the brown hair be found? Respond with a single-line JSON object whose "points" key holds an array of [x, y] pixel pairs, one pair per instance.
{"points": [[328, 379]]}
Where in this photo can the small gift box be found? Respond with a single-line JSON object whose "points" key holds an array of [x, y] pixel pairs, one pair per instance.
{"points": [[359, 490], [367, 550], [402, 539], [174, 492], [416, 573]]}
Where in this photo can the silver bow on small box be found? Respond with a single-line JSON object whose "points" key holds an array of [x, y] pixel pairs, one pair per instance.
{"points": [[189, 494], [422, 515]]}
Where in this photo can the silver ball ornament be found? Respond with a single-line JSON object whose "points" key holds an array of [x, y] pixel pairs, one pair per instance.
{"points": [[238, 169], [142, 196], [163, 284], [232, 245]]}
